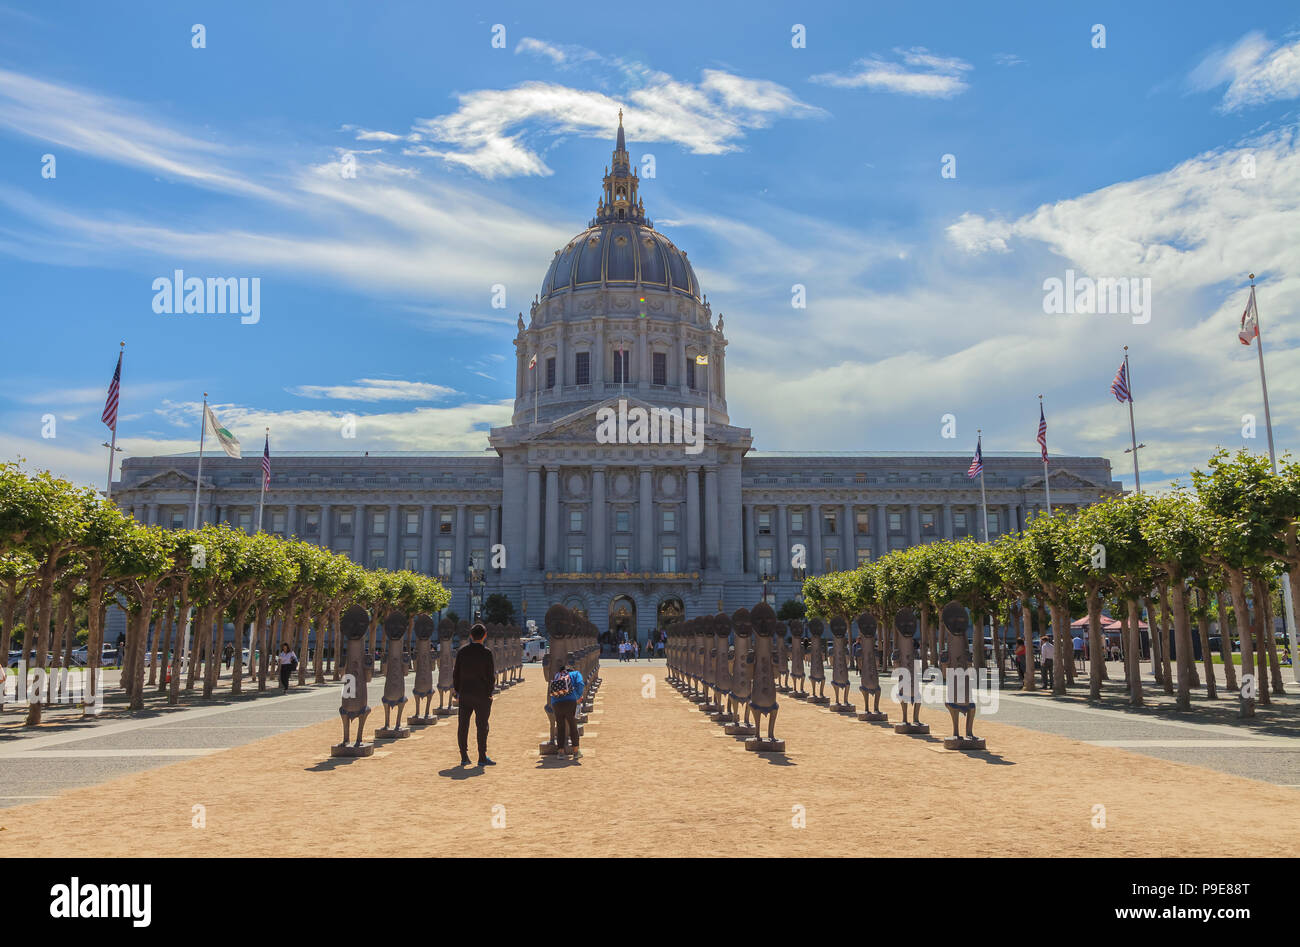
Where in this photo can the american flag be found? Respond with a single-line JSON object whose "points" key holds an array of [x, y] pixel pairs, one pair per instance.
{"points": [[1120, 385], [1042, 432], [109, 416], [266, 463], [977, 464]]}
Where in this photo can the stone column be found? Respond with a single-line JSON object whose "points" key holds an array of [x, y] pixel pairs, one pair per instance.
{"points": [[494, 534], [751, 539], [359, 534], [882, 529], [646, 520], [642, 356], [781, 559], [913, 524], [552, 518], [426, 542], [150, 514], [712, 525], [291, 519], [326, 527], [815, 539], [849, 540], [692, 518], [1010, 515], [599, 556], [681, 359], [533, 513], [947, 521], [1014, 509], [560, 357], [460, 561], [393, 533]]}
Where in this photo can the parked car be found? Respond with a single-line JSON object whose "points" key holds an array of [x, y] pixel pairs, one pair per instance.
{"points": [[107, 655]]}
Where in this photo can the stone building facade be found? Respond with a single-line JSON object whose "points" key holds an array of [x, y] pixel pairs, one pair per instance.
{"points": [[629, 531]]}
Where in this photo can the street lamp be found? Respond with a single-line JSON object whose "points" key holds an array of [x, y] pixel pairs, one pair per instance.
{"points": [[765, 578], [474, 574]]}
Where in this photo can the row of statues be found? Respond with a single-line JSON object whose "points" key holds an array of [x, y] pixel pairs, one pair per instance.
{"points": [[726, 682], [573, 644], [502, 640], [722, 679]]}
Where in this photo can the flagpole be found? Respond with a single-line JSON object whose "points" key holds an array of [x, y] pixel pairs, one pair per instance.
{"points": [[262, 499], [112, 447], [1047, 483], [1132, 429], [984, 503], [1288, 611], [198, 478]]}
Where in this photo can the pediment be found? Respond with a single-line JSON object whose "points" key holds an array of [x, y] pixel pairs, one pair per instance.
{"points": [[166, 480], [1063, 479]]}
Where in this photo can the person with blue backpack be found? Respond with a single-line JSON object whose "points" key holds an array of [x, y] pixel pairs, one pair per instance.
{"points": [[563, 694]]}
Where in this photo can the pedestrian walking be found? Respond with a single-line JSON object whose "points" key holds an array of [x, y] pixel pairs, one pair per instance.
{"points": [[1048, 651], [473, 678], [288, 664]]}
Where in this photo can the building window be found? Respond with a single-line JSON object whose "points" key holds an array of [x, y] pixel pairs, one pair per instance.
{"points": [[245, 521], [864, 556], [480, 524], [575, 558], [582, 368], [659, 368], [311, 525], [796, 521], [622, 521], [444, 563], [831, 560], [575, 521], [622, 558], [670, 521], [828, 521], [412, 524], [444, 522], [993, 522], [670, 559], [477, 558], [690, 372], [277, 522], [959, 521], [376, 558], [764, 523], [765, 562], [345, 523], [927, 524], [411, 561], [621, 366], [550, 373], [862, 519], [379, 524], [895, 522]]}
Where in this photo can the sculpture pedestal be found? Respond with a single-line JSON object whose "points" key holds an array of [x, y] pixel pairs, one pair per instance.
{"points": [[352, 749], [799, 695], [872, 717], [698, 699], [760, 745], [911, 728], [723, 717], [710, 708], [740, 730], [546, 749], [819, 700], [422, 721], [442, 712], [844, 708], [963, 743], [392, 733]]}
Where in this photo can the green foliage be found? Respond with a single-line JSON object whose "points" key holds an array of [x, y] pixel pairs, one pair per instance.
{"points": [[498, 610]]}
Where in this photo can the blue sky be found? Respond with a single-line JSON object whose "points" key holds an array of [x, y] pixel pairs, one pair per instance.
{"points": [[775, 165]]}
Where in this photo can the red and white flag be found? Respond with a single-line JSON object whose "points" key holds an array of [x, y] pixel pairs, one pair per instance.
{"points": [[532, 362], [1249, 321]]}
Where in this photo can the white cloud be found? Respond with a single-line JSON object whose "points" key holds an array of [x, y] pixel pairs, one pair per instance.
{"points": [[376, 389], [940, 77], [1255, 69]]}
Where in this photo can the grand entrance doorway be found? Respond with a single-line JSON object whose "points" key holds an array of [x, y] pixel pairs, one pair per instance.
{"points": [[622, 619]]}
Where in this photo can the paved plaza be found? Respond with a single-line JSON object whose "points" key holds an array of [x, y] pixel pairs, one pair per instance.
{"points": [[657, 778]]}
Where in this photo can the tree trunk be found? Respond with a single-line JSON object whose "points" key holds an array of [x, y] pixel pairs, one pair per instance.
{"points": [[45, 606], [322, 636], [1095, 647], [1133, 654], [1153, 637], [1183, 631], [1225, 642], [1060, 643], [1203, 626], [1166, 639], [1270, 641], [1029, 683], [164, 637], [1259, 601], [184, 613], [1248, 690]]}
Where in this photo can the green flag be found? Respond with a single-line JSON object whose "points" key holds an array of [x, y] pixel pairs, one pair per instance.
{"points": [[229, 443]]}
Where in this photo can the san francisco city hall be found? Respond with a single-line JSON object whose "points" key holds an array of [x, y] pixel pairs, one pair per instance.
{"points": [[631, 534]]}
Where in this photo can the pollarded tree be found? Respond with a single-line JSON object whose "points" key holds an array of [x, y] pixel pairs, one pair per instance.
{"points": [[1046, 540], [1011, 558], [1092, 533], [140, 562], [1176, 530]]}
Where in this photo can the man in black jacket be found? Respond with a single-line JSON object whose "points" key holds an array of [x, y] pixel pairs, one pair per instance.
{"points": [[472, 679]]}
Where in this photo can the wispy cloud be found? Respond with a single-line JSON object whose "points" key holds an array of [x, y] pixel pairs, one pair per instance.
{"points": [[376, 389], [916, 71], [1255, 69]]}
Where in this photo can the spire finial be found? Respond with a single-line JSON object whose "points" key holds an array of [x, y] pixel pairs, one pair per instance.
{"points": [[620, 116]]}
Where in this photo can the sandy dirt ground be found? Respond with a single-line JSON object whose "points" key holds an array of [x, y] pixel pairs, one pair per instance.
{"points": [[658, 779]]}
